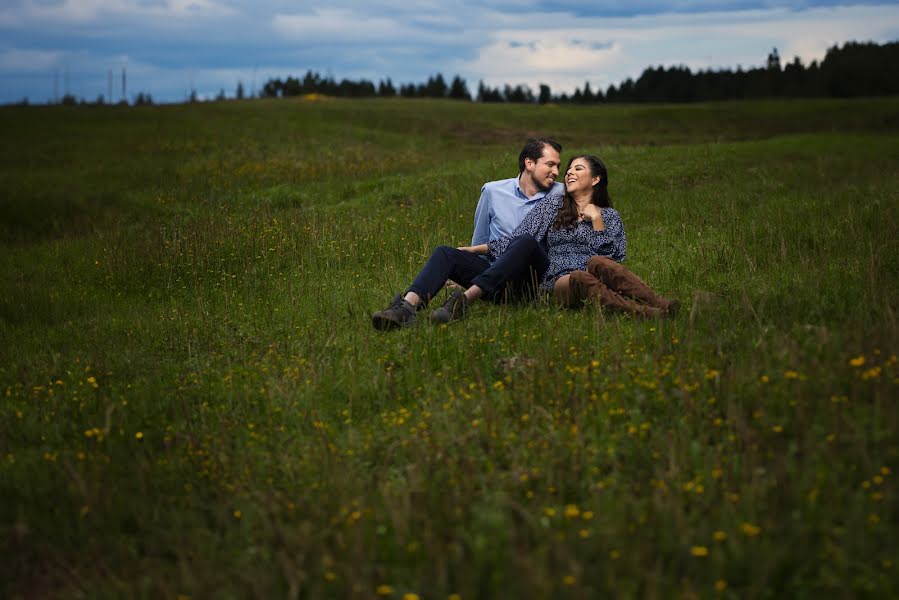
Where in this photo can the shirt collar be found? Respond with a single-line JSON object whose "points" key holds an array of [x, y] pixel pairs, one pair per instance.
{"points": [[536, 196]]}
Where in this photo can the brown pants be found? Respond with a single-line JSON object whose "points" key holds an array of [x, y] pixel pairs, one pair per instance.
{"points": [[613, 286]]}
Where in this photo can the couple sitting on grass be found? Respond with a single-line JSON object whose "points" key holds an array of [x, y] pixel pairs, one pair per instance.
{"points": [[533, 235]]}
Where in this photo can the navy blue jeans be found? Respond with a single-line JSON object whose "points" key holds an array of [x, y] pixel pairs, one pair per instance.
{"points": [[515, 273]]}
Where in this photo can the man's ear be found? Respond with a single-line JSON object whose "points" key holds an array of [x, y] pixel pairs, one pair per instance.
{"points": [[529, 161]]}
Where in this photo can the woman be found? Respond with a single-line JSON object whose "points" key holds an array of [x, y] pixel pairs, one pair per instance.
{"points": [[575, 242]]}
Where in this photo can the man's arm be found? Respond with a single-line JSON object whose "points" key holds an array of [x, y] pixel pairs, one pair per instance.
{"points": [[482, 219]]}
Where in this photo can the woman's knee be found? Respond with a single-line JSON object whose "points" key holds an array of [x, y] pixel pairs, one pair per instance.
{"points": [[602, 261], [598, 264]]}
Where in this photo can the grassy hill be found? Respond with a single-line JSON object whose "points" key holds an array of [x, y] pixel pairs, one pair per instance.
{"points": [[195, 403]]}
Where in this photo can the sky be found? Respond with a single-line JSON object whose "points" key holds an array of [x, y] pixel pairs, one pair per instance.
{"points": [[169, 47]]}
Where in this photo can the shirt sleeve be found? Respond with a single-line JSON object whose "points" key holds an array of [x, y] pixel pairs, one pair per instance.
{"points": [[536, 223], [611, 241], [482, 219]]}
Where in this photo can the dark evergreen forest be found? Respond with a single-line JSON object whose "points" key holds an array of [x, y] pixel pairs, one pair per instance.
{"points": [[854, 70]]}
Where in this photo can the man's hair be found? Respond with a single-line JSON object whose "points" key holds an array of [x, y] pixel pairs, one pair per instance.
{"points": [[533, 149]]}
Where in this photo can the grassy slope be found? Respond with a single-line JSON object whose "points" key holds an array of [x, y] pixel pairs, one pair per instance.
{"points": [[196, 403]]}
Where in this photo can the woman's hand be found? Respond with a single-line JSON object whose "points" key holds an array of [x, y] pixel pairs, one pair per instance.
{"points": [[479, 249], [592, 213]]}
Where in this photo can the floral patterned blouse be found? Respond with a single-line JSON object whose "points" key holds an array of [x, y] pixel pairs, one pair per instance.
{"points": [[569, 248]]}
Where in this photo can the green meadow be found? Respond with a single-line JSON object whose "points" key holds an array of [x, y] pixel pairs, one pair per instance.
{"points": [[195, 404]]}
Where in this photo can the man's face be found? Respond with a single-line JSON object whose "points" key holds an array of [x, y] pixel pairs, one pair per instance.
{"points": [[544, 172]]}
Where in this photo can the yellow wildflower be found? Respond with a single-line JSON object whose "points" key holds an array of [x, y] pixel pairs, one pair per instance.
{"points": [[857, 361], [750, 530], [700, 551], [719, 536], [384, 590]]}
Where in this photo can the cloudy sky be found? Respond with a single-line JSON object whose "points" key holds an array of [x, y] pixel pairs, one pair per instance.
{"points": [[169, 47]]}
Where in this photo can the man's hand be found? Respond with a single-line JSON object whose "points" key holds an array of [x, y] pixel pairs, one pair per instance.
{"points": [[480, 249]]}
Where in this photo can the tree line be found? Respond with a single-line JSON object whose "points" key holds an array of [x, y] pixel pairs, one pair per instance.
{"points": [[853, 70]]}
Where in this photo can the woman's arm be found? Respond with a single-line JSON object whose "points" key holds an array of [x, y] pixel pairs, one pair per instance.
{"points": [[536, 223], [479, 249], [611, 240]]}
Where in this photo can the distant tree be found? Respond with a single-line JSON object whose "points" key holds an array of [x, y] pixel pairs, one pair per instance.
{"points": [[587, 96], [221, 95], [272, 88], [545, 94], [773, 60], [520, 93], [612, 94], [312, 83], [68, 100], [408, 90], [488, 94], [482, 92], [435, 87], [143, 99], [355, 89], [458, 90], [238, 93], [292, 87], [386, 89], [192, 97]]}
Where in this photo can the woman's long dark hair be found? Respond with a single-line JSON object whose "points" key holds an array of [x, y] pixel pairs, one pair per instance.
{"points": [[568, 216]]}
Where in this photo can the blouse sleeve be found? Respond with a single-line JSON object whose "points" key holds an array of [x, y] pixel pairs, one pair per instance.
{"points": [[536, 223], [612, 241]]}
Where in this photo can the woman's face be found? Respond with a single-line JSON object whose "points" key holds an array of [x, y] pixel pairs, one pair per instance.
{"points": [[578, 177]]}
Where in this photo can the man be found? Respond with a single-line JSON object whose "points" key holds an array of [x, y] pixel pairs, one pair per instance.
{"points": [[503, 204]]}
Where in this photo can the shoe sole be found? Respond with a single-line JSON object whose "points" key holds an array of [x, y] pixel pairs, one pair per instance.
{"points": [[384, 324]]}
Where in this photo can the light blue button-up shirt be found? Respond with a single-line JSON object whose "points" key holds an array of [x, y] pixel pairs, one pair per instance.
{"points": [[501, 208]]}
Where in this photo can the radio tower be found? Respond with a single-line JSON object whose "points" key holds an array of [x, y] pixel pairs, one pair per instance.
{"points": [[124, 92], [109, 86]]}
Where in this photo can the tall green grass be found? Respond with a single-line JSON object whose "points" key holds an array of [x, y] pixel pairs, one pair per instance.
{"points": [[196, 404]]}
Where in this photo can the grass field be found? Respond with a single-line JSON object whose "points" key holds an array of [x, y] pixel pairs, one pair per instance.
{"points": [[195, 403]]}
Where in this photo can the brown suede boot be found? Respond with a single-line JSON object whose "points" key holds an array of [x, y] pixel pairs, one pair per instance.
{"points": [[624, 281], [586, 287]]}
